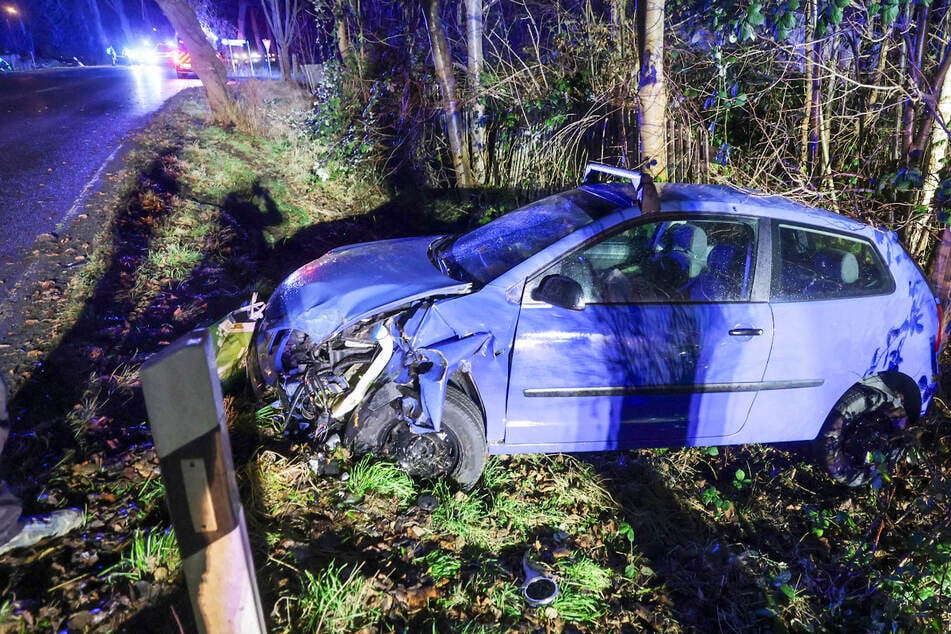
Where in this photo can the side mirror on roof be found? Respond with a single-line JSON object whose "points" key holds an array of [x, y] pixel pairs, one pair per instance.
{"points": [[561, 291]]}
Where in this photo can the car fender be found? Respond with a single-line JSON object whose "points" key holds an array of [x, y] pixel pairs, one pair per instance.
{"points": [[471, 333], [444, 360]]}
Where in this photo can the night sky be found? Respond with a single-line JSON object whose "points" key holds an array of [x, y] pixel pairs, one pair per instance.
{"points": [[86, 28]]}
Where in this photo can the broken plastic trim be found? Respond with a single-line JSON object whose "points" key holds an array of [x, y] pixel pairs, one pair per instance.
{"points": [[620, 172], [647, 195], [384, 340], [538, 588]]}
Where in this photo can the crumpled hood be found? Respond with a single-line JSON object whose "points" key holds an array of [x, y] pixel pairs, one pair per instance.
{"points": [[355, 282]]}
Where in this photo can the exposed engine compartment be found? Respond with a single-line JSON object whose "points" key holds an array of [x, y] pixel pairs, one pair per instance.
{"points": [[321, 384]]}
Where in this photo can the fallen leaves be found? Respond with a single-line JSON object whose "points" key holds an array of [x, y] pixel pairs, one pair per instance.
{"points": [[415, 598]]}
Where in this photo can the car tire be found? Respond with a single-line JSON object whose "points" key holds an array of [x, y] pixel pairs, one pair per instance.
{"points": [[457, 450], [863, 421]]}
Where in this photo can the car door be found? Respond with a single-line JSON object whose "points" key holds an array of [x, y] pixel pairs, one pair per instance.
{"points": [[666, 350]]}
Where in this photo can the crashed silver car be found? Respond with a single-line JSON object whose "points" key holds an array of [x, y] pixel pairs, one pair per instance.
{"points": [[610, 316]]}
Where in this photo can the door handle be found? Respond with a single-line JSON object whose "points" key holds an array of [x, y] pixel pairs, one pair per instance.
{"points": [[746, 332]]}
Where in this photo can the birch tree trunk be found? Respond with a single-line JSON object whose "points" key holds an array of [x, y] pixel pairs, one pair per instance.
{"points": [[475, 27], [205, 62], [442, 61], [824, 127], [806, 131], [652, 88]]}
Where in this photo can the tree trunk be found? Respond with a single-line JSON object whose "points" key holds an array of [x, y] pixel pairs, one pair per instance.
{"points": [[343, 32], [907, 123], [824, 127], [205, 61], [476, 61], [933, 93], [442, 61], [929, 146], [652, 88], [282, 19], [806, 155], [941, 272], [918, 233], [870, 109]]}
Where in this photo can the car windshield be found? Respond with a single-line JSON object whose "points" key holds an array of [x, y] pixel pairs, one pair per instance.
{"points": [[484, 253]]}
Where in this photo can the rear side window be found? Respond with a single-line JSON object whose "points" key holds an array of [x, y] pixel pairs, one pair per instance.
{"points": [[817, 265]]}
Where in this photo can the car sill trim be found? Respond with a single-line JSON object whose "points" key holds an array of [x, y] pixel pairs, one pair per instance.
{"points": [[650, 390]]}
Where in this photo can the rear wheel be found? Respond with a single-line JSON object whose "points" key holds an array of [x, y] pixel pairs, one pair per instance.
{"points": [[457, 450], [863, 432]]}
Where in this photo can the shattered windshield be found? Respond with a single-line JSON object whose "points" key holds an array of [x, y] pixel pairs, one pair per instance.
{"points": [[484, 253]]}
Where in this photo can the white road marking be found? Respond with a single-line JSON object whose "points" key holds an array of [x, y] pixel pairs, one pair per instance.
{"points": [[81, 199]]}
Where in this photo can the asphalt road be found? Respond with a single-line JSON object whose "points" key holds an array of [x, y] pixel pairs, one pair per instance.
{"points": [[58, 131]]}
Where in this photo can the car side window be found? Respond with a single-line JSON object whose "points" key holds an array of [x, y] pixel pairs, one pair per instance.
{"points": [[696, 260], [817, 265]]}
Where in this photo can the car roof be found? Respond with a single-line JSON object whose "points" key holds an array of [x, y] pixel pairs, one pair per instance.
{"points": [[727, 199]]}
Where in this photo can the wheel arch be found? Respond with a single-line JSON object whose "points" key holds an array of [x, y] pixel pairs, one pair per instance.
{"points": [[387, 392], [906, 387], [463, 382], [872, 401]]}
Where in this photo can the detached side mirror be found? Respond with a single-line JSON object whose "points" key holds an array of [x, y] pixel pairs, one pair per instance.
{"points": [[559, 290]]}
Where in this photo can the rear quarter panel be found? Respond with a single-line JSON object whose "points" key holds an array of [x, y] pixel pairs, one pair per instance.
{"points": [[910, 344], [843, 341]]}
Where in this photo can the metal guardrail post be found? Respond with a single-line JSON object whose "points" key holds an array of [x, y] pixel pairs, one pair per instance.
{"points": [[186, 414]]}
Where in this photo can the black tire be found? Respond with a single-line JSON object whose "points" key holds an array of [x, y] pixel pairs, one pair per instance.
{"points": [[457, 450], [864, 421]]}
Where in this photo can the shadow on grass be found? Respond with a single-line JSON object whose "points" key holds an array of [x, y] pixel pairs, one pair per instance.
{"points": [[718, 565], [82, 404]]}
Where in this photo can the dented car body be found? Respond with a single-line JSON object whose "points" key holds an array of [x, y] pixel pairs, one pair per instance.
{"points": [[611, 316]]}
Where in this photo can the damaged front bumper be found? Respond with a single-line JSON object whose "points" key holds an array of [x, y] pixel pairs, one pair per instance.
{"points": [[320, 385]]}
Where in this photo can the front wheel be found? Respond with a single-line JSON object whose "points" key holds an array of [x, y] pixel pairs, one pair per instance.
{"points": [[863, 431], [457, 450]]}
